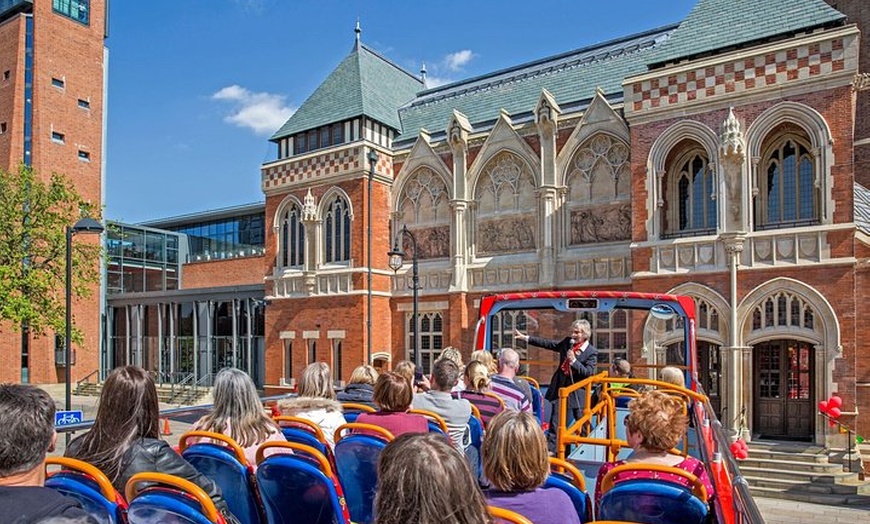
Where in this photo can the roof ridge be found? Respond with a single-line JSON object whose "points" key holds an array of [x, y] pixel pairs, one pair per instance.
{"points": [[388, 61]]}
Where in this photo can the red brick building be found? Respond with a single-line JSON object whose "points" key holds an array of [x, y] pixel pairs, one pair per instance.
{"points": [[718, 158], [53, 65]]}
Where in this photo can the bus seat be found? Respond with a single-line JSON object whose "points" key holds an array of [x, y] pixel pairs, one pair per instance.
{"points": [[564, 476], [222, 460], [89, 486], [158, 497], [356, 458], [506, 516], [652, 501]]}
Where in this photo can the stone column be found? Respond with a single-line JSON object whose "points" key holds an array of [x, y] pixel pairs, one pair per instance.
{"points": [[547, 120], [311, 223], [459, 129]]}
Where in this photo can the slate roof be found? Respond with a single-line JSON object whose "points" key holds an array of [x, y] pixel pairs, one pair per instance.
{"points": [[720, 24], [364, 83], [571, 77], [862, 208]]}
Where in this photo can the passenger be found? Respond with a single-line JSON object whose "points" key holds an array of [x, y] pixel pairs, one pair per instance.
{"points": [[516, 463], [503, 383], [424, 480], [621, 368], [455, 412], [477, 383], [672, 375], [393, 397], [409, 370], [361, 387], [455, 355], [654, 425], [316, 401], [485, 357], [238, 413], [125, 440], [26, 435]]}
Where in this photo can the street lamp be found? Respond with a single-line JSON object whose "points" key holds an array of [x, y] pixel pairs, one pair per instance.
{"points": [[85, 225], [373, 159], [397, 259]]}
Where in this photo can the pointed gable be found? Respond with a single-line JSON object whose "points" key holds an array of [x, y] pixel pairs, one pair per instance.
{"points": [[364, 83], [721, 24]]}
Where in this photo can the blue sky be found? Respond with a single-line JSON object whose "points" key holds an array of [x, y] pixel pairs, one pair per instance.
{"points": [[196, 87]]}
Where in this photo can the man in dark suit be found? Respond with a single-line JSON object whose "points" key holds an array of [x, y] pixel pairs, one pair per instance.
{"points": [[578, 359]]}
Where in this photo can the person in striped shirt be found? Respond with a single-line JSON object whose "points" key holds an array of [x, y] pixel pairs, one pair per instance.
{"points": [[503, 383]]}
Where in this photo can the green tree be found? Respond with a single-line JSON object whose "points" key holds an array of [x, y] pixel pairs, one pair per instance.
{"points": [[34, 215]]}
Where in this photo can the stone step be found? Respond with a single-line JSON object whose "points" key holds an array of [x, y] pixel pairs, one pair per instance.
{"points": [[765, 454], [834, 499], [800, 476], [793, 486], [791, 465]]}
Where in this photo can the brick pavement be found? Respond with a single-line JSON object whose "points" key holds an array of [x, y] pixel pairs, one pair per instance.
{"points": [[780, 511]]}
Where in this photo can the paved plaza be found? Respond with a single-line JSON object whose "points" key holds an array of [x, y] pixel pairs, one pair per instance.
{"points": [[778, 511]]}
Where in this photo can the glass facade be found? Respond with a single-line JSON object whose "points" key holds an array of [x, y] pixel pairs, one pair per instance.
{"points": [[233, 237], [143, 259]]}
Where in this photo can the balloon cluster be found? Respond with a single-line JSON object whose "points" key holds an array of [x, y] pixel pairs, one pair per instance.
{"points": [[831, 408], [739, 449]]}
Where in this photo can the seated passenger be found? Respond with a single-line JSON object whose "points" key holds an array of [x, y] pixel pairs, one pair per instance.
{"points": [[424, 480], [237, 412], [361, 387], [485, 357], [316, 401], [451, 353], [621, 368], [438, 400], [672, 375], [125, 440], [419, 381], [504, 384], [516, 463], [476, 384], [26, 435], [393, 397], [654, 425]]}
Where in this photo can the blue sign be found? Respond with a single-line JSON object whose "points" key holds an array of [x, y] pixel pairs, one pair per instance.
{"points": [[65, 418]]}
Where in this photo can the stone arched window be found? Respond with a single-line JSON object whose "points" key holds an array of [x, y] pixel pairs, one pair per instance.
{"points": [[336, 233], [424, 206], [689, 202], [598, 182], [292, 247], [787, 189], [784, 311], [505, 206]]}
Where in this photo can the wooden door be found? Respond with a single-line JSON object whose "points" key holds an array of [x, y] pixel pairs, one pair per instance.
{"points": [[783, 404], [709, 374]]}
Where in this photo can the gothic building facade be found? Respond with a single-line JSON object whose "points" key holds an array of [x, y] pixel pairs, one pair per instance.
{"points": [[713, 158]]}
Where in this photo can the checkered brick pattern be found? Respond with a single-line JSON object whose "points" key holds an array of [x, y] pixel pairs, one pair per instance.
{"points": [[311, 167], [808, 61]]}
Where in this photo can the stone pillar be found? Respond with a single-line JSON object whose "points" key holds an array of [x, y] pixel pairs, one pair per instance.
{"points": [[311, 223], [459, 129], [734, 397], [547, 120]]}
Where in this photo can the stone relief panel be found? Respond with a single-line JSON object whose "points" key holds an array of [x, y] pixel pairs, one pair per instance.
{"points": [[605, 223], [506, 207], [425, 199], [432, 242]]}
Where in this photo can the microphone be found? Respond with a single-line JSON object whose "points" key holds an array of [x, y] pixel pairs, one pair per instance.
{"points": [[573, 341]]}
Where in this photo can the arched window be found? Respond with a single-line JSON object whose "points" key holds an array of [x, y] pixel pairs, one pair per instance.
{"points": [[787, 196], [505, 204], [424, 206], [337, 231], [690, 205], [292, 238]]}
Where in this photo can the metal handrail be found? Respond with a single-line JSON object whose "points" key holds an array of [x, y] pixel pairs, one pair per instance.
{"points": [[189, 377], [87, 377]]}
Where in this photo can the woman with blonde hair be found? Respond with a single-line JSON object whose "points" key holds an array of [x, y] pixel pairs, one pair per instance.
{"points": [[237, 412], [672, 375], [516, 463], [655, 424], [485, 357], [424, 480], [415, 377], [361, 387], [316, 401], [453, 354], [476, 386]]}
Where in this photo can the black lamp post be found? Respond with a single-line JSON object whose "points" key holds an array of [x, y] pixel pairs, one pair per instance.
{"points": [[397, 257], [373, 159], [85, 225]]}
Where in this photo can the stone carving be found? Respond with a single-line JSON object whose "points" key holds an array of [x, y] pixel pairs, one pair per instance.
{"points": [[861, 82], [601, 169], [309, 208], [432, 242], [608, 223], [505, 235], [732, 152], [426, 194]]}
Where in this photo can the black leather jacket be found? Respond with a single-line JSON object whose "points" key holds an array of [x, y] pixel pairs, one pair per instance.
{"points": [[157, 456], [359, 393]]}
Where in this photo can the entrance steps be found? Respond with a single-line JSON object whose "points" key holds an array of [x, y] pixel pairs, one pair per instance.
{"points": [[165, 393], [802, 472]]}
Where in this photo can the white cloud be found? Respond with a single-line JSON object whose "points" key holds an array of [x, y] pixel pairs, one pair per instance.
{"points": [[263, 113], [435, 81], [455, 61]]}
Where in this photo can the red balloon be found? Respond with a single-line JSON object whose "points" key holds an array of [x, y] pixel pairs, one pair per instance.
{"points": [[743, 445], [823, 406], [832, 422], [835, 412], [835, 401], [742, 454]]}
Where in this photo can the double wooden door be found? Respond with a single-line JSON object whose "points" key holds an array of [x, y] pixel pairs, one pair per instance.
{"points": [[783, 390]]}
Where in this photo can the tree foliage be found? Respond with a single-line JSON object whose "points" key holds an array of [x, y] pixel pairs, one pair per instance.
{"points": [[34, 215]]}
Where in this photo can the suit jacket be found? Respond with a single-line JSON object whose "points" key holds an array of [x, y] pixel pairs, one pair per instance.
{"points": [[582, 368]]}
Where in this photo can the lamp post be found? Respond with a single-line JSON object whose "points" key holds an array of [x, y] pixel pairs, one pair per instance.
{"points": [[85, 225], [373, 159], [397, 257]]}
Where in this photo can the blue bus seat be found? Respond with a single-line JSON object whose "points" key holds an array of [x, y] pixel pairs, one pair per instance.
{"points": [[167, 498], [293, 489], [356, 460], [652, 501], [573, 482], [223, 461], [352, 410], [475, 432], [89, 486]]}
